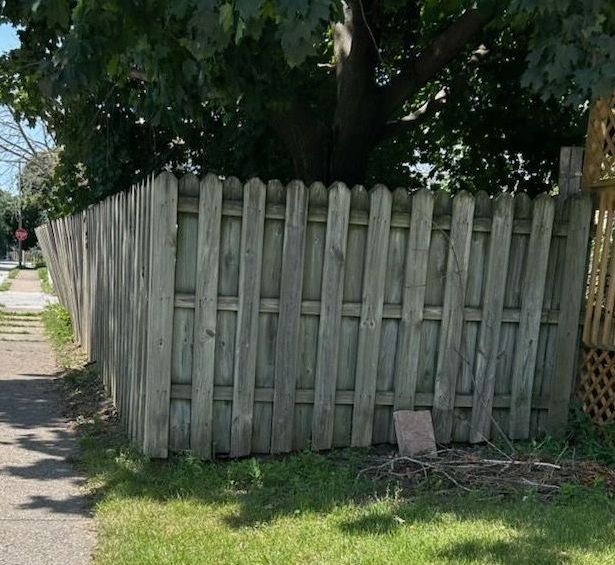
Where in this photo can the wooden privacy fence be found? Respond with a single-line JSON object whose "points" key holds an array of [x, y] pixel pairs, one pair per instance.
{"points": [[232, 319]]}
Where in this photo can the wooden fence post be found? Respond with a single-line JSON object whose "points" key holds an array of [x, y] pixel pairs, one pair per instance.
{"points": [[576, 255], [570, 170], [163, 247]]}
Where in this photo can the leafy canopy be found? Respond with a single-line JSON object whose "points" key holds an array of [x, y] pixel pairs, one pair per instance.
{"points": [[131, 86]]}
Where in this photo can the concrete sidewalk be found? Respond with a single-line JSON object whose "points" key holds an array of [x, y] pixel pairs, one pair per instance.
{"points": [[25, 292], [43, 514]]}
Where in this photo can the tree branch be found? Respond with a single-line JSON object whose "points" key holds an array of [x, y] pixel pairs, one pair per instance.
{"points": [[417, 117], [444, 95], [418, 72]]}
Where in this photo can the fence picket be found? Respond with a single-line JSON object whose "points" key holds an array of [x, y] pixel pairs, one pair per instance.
{"points": [[160, 315], [205, 316], [247, 317], [371, 315], [410, 327], [287, 345], [449, 350], [493, 305], [524, 361], [330, 316]]}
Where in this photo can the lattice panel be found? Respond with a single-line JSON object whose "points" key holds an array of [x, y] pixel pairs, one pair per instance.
{"points": [[599, 324], [599, 163], [597, 386]]}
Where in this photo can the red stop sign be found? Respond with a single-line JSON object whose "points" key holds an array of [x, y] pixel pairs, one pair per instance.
{"points": [[21, 234]]}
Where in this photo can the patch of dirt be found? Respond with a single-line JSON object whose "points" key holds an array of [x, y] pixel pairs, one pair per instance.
{"points": [[87, 406]]}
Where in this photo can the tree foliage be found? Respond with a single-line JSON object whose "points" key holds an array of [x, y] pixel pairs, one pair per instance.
{"points": [[362, 90]]}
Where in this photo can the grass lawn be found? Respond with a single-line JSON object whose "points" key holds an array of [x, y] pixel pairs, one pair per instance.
{"points": [[6, 284], [311, 508], [43, 275]]}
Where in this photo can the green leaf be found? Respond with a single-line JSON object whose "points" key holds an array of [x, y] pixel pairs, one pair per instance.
{"points": [[248, 8], [226, 16]]}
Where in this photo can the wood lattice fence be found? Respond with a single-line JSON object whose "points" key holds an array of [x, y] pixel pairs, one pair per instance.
{"points": [[236, 319], [597, 384]]}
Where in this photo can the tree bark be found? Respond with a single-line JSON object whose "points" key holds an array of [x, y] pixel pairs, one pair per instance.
{"points": [[355, 124], [340, 151]]}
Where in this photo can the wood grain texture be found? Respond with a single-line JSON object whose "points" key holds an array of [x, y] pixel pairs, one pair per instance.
{"points": [[577, 245], [330, 316], [493, 305], [287, 345], [247, 317], [371, 316], [160, 315], [299, 318], [205, 316], [524, 361], [415, 284], [449, 349]]}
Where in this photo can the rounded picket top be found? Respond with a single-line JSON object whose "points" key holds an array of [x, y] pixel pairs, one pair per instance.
{"points": [[276, 192], [401, 199], [232, 189], [257, 186], [379, 188], [189, 185], [293, 187], [166, 177], [443, 203], [338, 188], [318, 195], [359, 198], [523, 205], [381, 196], [484, 204], [545, 203]]}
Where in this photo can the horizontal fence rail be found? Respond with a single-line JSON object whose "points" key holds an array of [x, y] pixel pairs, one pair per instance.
{"points": [[231, 319]]}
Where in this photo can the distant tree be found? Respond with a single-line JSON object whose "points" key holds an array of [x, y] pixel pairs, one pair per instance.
{"points": [[7, 209]]}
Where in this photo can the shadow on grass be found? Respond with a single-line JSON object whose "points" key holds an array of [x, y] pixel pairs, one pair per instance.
{"points": [[259, 491]]}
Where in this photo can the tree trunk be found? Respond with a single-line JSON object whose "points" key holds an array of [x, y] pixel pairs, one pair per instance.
{"points": [[340, 151], [355, 122]]}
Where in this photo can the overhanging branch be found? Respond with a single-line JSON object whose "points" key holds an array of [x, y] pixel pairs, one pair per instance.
{"points": [[458, 84], [418, 72]]}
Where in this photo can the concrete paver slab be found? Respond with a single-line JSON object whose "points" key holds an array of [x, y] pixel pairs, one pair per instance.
{"points": [[44, 517]]}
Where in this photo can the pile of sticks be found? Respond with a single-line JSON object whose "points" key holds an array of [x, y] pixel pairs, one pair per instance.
{"points": [[475, 471]]}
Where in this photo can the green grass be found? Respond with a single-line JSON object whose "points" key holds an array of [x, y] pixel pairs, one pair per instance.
{"points": [[18, 314], [310, 508], [43, 275], [58, 329], [6, 285]]}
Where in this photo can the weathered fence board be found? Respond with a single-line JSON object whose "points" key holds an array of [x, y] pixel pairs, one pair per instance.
{"points": [[244, 374], [330, 317], [230, 319], [493, 306], [205, 315], [287, 345]]}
